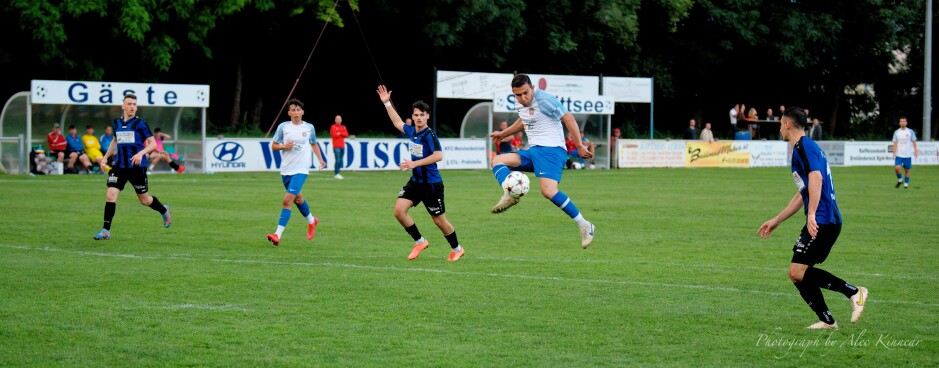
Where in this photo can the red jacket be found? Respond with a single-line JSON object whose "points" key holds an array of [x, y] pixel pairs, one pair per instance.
{"points": [[339, 134], [56, 142]]}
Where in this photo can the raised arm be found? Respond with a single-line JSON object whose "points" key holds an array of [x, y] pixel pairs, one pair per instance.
{"points": [[385, 95]]}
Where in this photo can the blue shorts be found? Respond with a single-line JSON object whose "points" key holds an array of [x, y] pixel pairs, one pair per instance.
{"points": [[294, 183], [545, 162], [904, 162]]}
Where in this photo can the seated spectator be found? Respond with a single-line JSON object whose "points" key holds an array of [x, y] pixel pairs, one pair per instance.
{"points": [[517, 142], [572, 153], [160, 154], [76, 151], [706, 134], [93, 148], [106, 138], [57, 144], [692, 132], [591, 147]]}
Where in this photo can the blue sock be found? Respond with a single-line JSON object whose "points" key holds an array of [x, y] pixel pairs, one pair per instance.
{"points": [[284, 217], [899, 176], [907, 180], [501, 171], [562, 201], [304, 208]]}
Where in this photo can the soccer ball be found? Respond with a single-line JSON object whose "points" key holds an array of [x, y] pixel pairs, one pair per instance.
{"points": [[517, 184]]}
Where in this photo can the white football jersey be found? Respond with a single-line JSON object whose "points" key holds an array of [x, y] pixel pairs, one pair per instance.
{"points": [[300, 158], [543, 119], [904, 139]]}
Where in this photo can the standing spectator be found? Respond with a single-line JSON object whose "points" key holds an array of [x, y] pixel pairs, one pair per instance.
{"points": [[753, 117], [57, 144], [93, 148], [76, 151], [770, 116], [706, 134], [160, 153], [692, 132], [733, 119], [614, 154], [782, 110], [815, 132], [807, 116], [505, 144], [339, 134]]}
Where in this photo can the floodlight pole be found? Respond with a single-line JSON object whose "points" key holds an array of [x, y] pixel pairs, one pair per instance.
{"points": [[927, 76], [652, 108]]}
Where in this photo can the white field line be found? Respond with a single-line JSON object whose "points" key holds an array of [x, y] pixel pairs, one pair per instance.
{"points": [[221, 307], [450, 272]]}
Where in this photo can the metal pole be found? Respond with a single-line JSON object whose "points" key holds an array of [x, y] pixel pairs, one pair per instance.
{"points": [[204, 156], [433, 116], [927, 76], [652, 109], [23, 156]]}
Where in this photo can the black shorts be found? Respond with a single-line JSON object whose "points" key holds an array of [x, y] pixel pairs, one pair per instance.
{"points": [[429, 193], [810, 251], [137, 176], [55, 154]]}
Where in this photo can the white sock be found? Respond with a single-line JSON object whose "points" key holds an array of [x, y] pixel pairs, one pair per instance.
{"points": [[581, 221], [280, 230], [458, 248], [421, 240], [310, 219], [900, 180]]}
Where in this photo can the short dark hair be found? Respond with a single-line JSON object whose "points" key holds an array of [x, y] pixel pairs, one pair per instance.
{"points": [[294, 101], [796, 115], [421, 105], [157, 130], [902, 117], [130, 95], [521, 80], [89, 126]]}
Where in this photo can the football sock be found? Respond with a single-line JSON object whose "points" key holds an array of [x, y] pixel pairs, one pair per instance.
{"points": [[174, 165], [813, 297], [458, 248], [416, 234], [564, 203], [284, 217], [304, 208], [899, 177], [581, 221], [109, 208], [280, 230], [906, 180], [501, 171], [820, 278], [452, 240], [157, 206]]}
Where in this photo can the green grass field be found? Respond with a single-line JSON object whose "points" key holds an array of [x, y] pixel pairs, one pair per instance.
{"points": [[676, 276]]}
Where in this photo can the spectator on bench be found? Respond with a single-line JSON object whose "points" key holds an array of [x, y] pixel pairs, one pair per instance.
{"points": [[57, 144], [160, 153], [76, 151]]}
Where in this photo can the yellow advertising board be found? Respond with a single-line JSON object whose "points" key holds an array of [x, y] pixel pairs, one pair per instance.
{"points": [[717, 154]]}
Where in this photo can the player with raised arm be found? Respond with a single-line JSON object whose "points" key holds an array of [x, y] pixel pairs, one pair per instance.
{"points": [[541, 115], [425, 184], [816, 192], [904, 149], [133, 141], [296, 138]]}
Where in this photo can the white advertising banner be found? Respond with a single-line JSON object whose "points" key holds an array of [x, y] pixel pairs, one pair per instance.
{"points": [[482, 86], [255, 154], [868, 154], [597, 105], [928, 153], [770, 154], [834, 152], [651, 153], [628, 89], [112, 93]]}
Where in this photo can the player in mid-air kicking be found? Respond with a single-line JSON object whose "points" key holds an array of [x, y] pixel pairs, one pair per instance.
{"points": [[425, 184], [296, 138], [541, 115], [904, 149], [815, 192]]}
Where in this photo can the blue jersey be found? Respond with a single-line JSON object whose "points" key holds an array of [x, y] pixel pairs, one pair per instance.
{"points": [[105, 142], [74, 143], [130, 136], [808, 157], [423, 144]]}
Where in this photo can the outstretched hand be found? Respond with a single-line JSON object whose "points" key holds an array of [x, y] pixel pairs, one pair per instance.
{"points": [[383, 93], [767, 228], [583, 152]]}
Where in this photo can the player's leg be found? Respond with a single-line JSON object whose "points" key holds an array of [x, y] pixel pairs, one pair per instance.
{"points": [[304, 208], [502, 165], [409, 196], [820, 248], [803, 257], [897, 165], [549, 165], [115, 186], [138, 178], [339, 154], [293, 184], [434, 202], [908, 164]]}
